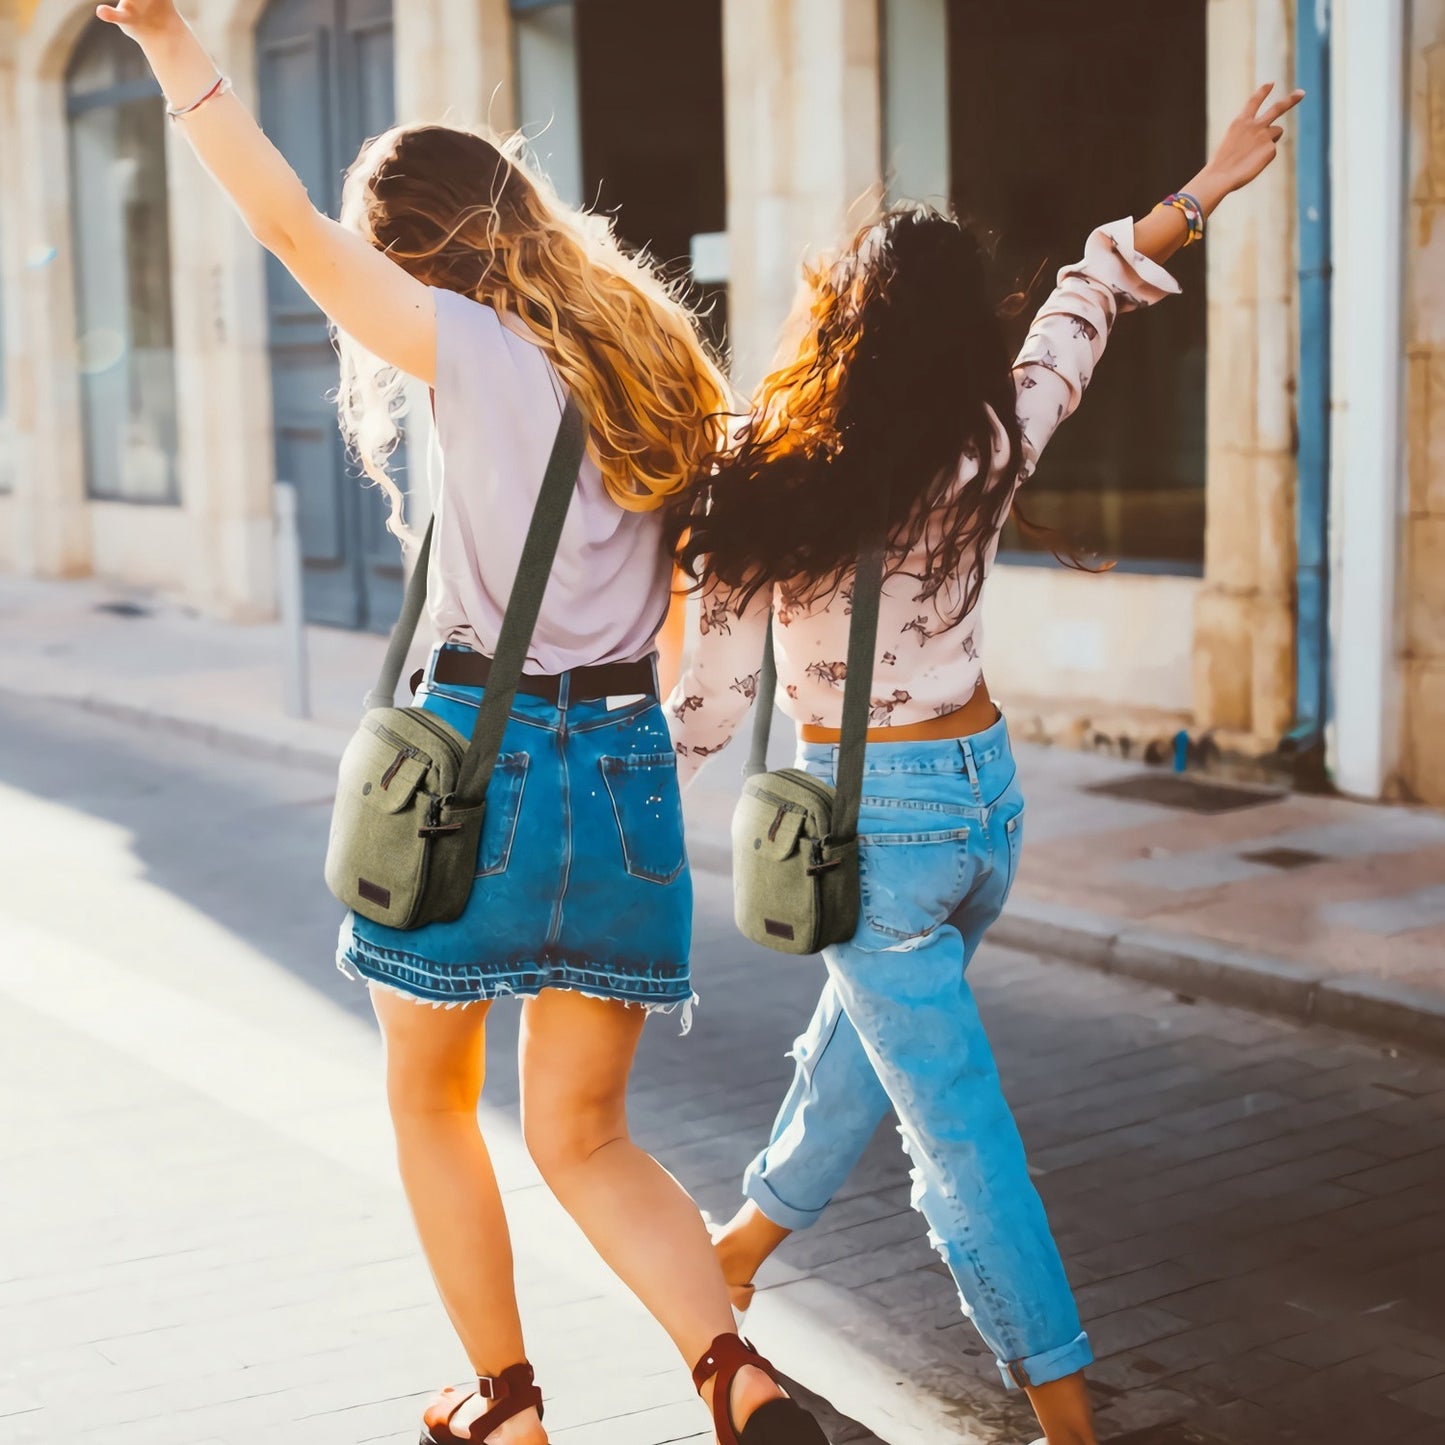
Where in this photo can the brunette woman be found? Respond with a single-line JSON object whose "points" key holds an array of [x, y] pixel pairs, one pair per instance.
{"points": [[456, 266], [901, 400]]}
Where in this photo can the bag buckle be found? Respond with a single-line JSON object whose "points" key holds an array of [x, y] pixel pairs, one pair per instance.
{"points": [[819, 863], [434, 827]]}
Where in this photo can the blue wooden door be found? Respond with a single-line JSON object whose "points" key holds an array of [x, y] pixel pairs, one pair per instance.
{"points": [[326, 76]]}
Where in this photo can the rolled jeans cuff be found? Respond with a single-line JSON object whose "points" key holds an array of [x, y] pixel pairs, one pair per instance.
{"points": [[1050, 1365], [756, 1188]]}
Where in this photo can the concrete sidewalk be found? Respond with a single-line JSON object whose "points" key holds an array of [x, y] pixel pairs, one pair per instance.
{"points": [[1315, 907]]}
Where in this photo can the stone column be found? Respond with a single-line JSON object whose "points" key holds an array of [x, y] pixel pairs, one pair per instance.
{"points": [[52, 528], [801, 87], [11, 292], [1423, 543], [1244, 617], [223, 396], [454, 62]]}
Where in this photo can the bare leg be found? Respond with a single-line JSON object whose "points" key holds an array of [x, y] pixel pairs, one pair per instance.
{"points": [[1064, 1411], [577, 1053], [435, 1066], [743, 1245]]}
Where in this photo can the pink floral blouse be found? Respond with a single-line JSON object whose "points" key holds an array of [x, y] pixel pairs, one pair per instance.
{"points": [[924, 668]]}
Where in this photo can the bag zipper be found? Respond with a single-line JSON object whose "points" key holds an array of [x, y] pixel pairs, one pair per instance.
{"points": [[402, 754], [410, 750]]}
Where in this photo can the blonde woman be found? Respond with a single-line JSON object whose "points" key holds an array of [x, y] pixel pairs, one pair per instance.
{"points": [[456, 266]]}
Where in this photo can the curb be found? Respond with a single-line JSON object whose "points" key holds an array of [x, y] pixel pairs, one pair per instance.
{"points": [[1198, 968], [1395, 1013], [312, 747]]}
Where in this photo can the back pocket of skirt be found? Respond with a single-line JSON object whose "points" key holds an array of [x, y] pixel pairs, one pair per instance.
{"points": [[504, 807], [647, 804]]}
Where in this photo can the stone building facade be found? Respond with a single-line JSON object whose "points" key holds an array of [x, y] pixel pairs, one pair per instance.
{"points": [[150, 403]]}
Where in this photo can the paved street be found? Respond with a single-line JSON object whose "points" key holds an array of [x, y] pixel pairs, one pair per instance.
{"points": [[203, 1241]]}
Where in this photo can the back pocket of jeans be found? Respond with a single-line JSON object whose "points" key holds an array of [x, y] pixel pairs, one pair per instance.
{"points": [[504, 807], [912, 882], [647, 805]]}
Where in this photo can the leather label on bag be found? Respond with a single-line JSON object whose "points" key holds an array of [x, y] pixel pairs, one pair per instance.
{"points": [[778, 930], [374, 893]]}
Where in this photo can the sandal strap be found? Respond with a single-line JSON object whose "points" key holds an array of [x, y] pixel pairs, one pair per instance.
{"points": [[512, 1392], [725, 1357]]}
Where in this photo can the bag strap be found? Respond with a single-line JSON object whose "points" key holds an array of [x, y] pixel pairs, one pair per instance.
{"points": [[533, 573], [384, 693], [857, 688]]}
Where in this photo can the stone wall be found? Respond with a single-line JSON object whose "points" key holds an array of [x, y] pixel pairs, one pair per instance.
{"points": [[1244, 617], [804, 150], [1423, 531]]}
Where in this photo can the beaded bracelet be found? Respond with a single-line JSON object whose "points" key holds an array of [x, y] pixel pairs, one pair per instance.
{"points": [[221, 86], [1192, 212]]}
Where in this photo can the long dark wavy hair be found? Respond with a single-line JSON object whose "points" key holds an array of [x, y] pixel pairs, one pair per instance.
{"points": [[867, 418]]}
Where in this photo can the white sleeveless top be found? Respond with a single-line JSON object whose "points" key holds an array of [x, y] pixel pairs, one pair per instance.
{"points": [[498, 403]]}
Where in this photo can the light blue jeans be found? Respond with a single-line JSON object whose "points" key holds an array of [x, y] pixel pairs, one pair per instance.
{"points": [[897, 1027]]}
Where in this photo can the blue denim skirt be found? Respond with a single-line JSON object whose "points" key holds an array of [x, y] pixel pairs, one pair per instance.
{"points": [[582, 876]]}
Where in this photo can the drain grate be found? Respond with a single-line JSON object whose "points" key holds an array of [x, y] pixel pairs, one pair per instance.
{"points": [[1171, 790], [1284, 857]]}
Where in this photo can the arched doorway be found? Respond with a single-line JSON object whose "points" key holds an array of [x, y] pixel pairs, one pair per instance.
{"points": [[327, 81], [121, 234]]}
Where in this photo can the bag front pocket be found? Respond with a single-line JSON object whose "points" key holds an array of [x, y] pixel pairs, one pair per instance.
{"points": [[504, 808], [647, 805]]}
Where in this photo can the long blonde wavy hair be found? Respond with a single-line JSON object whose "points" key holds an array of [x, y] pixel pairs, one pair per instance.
{"points": [[463, 211]]}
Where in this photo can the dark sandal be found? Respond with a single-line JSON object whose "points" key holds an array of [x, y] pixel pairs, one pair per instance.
{"points": [[779, 1422], [511, 1392]]}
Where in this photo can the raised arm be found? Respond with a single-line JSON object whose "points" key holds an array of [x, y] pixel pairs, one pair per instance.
{"points": [[1248, 146], [367, 295], [1121, 271]]}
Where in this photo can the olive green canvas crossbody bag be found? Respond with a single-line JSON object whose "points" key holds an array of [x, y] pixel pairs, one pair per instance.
{"points": [[795, 837], [412, 792]]}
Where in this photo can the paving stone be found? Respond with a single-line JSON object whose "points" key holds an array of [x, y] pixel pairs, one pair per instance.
{"points": [[1232, 1194], [1428, 1396]]}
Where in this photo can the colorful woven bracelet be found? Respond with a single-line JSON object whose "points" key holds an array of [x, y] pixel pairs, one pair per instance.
{"points": [[221, 86], [1192, 212]]}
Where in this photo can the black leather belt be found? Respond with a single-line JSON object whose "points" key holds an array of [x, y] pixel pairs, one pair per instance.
{"points": [[611, 679]]}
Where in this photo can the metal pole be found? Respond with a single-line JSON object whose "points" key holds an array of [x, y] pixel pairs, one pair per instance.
{"points": [[1312, 179], [295, 667]]}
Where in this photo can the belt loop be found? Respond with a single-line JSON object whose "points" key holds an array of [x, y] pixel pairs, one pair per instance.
{"points": [[966, 744], [656, 681], [564, 690], [431, 663]]}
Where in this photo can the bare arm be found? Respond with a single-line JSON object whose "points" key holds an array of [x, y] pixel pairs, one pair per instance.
{"points": [[1121, 271], [367, 295], [1248, 146]]}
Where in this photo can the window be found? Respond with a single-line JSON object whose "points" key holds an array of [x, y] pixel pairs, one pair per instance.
{"points": [[625, 104], [1060, 117], [120, 225], [651, 104]]}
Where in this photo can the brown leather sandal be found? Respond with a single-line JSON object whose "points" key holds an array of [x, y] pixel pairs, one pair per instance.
{"points": [[779, 1422], [511, 1392]]}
